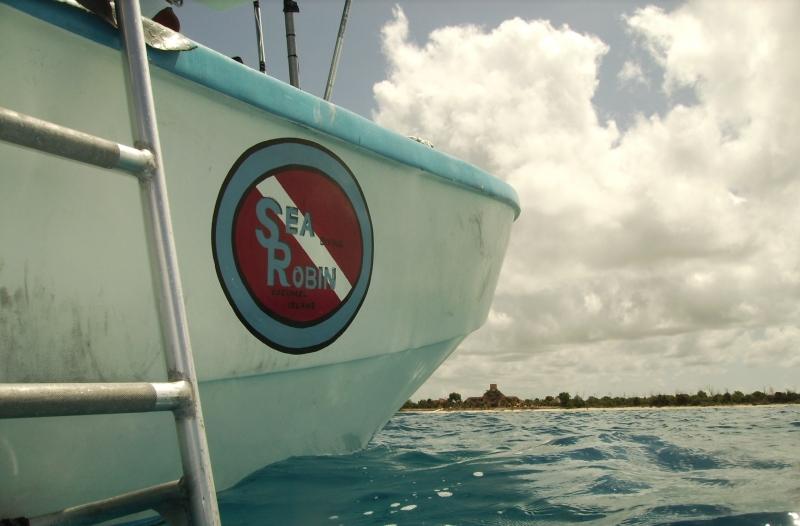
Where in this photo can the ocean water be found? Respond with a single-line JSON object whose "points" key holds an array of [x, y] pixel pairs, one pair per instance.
{"points": [[699, 466]]}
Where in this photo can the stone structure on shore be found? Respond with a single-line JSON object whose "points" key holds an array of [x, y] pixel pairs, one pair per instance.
{"points": [[492, 398]]}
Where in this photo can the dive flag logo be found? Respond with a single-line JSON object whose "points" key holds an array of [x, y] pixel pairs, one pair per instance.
{"points": [[292, 243]]}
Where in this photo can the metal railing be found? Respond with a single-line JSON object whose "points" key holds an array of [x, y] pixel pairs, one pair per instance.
{"points": [[180, 394]]}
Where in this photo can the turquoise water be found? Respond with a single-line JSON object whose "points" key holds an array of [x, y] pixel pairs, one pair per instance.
{"points": [[685, 466], [706, 466]]}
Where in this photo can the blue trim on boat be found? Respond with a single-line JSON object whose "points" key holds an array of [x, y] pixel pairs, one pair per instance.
{"points": [[224, 75]]}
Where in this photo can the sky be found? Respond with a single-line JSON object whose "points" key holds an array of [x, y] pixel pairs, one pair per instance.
{"points": [[654, 148]]}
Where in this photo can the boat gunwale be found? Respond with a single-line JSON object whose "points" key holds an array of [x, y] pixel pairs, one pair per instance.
{"points": [[224, 75]]}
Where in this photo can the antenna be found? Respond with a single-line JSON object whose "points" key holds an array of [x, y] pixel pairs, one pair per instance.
{"points": [[262, 60], [337, 51], [290, 7]]}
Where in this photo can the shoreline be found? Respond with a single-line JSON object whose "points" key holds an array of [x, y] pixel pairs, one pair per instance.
{"points": [[582, 409]]}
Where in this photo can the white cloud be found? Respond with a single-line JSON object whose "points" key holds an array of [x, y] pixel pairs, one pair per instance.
{"points": [[631, 74], [660, 238]]}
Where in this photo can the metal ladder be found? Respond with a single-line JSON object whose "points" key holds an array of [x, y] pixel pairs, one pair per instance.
{"points": [[180, 394]]}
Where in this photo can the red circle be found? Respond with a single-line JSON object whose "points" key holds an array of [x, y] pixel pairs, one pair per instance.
{"points": [[317, 251]]}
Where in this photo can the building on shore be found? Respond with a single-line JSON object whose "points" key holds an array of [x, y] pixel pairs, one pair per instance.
{"points": [[492, 398]]}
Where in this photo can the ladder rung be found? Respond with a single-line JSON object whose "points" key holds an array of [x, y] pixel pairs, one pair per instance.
{"points": [[153, 498], [25, 130], [28, 400]]}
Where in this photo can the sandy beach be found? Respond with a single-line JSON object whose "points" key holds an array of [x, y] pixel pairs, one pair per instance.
{"points": [[577, 409]]}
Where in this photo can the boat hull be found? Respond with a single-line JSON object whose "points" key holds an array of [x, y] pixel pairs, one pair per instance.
{"points": [[76, 294], [51, 463]]}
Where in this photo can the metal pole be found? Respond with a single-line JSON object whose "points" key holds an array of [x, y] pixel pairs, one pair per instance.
{"points": [[31, 132], [337, 51], [37, 400], [262, 58], [178, 352], [290, 7], [152, 498]]}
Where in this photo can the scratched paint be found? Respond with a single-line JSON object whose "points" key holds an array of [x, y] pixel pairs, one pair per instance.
{"points": [[44, 338]]}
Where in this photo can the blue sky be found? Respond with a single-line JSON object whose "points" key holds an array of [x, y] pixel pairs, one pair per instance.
{"points": [[362, 64], [654, 151]]}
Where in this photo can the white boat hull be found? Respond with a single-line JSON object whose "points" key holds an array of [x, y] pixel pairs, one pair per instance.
{"points": [[76, 300]]}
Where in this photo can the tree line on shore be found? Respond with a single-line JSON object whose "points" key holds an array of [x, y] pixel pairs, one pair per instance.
{"points": [[495, 399]]}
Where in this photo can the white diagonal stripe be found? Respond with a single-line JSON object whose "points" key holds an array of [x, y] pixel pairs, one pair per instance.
{"points": [[270, 187]]}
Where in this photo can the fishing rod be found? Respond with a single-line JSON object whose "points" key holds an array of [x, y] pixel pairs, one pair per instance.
{"points": [[262, 59], [336, 52], [290, 7]]}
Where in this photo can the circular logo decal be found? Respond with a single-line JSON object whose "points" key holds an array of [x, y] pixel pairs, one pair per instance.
{"points": [[292, 243]]}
